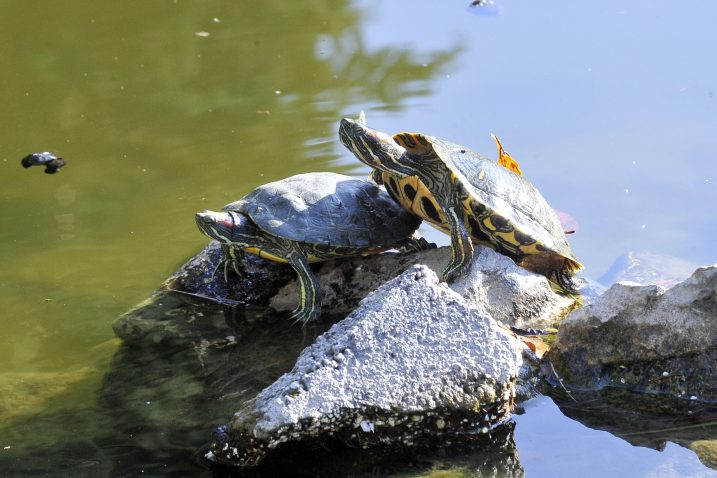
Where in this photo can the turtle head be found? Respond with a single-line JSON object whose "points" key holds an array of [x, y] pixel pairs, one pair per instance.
{"points": [[227, 227], [374, 148]]}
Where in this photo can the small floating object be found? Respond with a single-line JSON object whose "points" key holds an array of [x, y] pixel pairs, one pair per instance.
{"points": [[51, 162]]}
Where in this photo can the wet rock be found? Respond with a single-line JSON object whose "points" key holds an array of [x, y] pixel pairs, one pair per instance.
{"points": [[414, 363], [645, 338], [648, 268], [495, 283]]}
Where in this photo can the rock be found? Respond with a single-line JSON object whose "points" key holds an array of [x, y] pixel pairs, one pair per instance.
{"points": [[510, 294], [645, 338], [648, 268], [495, 283], [225, 337], [414, 363]]}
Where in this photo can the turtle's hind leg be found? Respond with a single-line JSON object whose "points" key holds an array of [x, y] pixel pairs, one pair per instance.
{"points": [[461, 248], [309, 308]]}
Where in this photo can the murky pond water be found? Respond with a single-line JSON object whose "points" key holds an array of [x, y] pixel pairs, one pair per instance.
{"points": [[168, 107]]}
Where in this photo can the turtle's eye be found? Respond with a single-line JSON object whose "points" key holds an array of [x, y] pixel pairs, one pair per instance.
{"points": [[206, 217]]}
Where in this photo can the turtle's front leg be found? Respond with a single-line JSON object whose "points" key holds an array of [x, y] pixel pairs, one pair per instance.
{"points": [[232, 257], [310, 299], [461, 247]]}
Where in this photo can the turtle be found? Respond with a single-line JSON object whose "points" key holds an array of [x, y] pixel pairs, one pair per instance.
{"points": [[472, 198], [308, 218]]}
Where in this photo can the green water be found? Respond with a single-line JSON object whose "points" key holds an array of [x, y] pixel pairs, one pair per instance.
{"points": [[163, 108], [156, 123]]}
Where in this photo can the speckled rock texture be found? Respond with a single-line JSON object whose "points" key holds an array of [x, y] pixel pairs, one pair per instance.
{"points": [[510, 293], [645, 338], [414, 362]]}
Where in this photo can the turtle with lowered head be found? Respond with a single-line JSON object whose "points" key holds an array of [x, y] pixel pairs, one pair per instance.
{"points": [[309, 218]]}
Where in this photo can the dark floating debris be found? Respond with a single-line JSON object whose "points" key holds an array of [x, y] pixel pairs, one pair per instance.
{"points": [[51, 162], [484, 7]]}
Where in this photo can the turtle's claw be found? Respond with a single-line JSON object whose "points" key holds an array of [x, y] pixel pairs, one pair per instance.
{"points": [[303, 316], [454, 272], [416, 244], [229, 265]]}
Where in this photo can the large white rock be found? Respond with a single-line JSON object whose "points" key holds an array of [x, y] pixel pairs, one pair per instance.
{"points": [[414, 360]]}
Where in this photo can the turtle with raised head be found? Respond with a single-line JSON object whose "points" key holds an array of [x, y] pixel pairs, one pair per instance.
{"points": [[309, 218], [472, 198]]}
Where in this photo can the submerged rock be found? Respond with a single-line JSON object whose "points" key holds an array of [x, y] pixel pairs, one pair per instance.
{"points": [[414, 363], [645, 338]]}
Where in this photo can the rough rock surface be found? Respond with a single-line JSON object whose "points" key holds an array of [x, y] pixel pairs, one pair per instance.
{"points": [[495, 283], [510, 293], [645, 338], [414, 362]]}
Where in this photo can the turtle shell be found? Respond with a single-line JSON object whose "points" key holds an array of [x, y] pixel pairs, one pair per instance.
{"points": [[501, 205], [328, 209]]}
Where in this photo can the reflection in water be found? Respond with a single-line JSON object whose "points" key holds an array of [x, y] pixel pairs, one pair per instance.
{"points": [[647, 420], [159, 122], [551, 444]]}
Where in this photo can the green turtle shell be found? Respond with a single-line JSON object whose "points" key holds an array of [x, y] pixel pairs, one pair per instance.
{"points": [[328, 209]]}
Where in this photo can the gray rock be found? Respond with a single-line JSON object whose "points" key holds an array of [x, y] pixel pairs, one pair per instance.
{"points": [[495, 283], [414, 362], [648, 268], [645, 338], [510, 294]]}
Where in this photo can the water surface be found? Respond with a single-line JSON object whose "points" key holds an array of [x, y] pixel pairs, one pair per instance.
{"points": [[166, 108]]}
